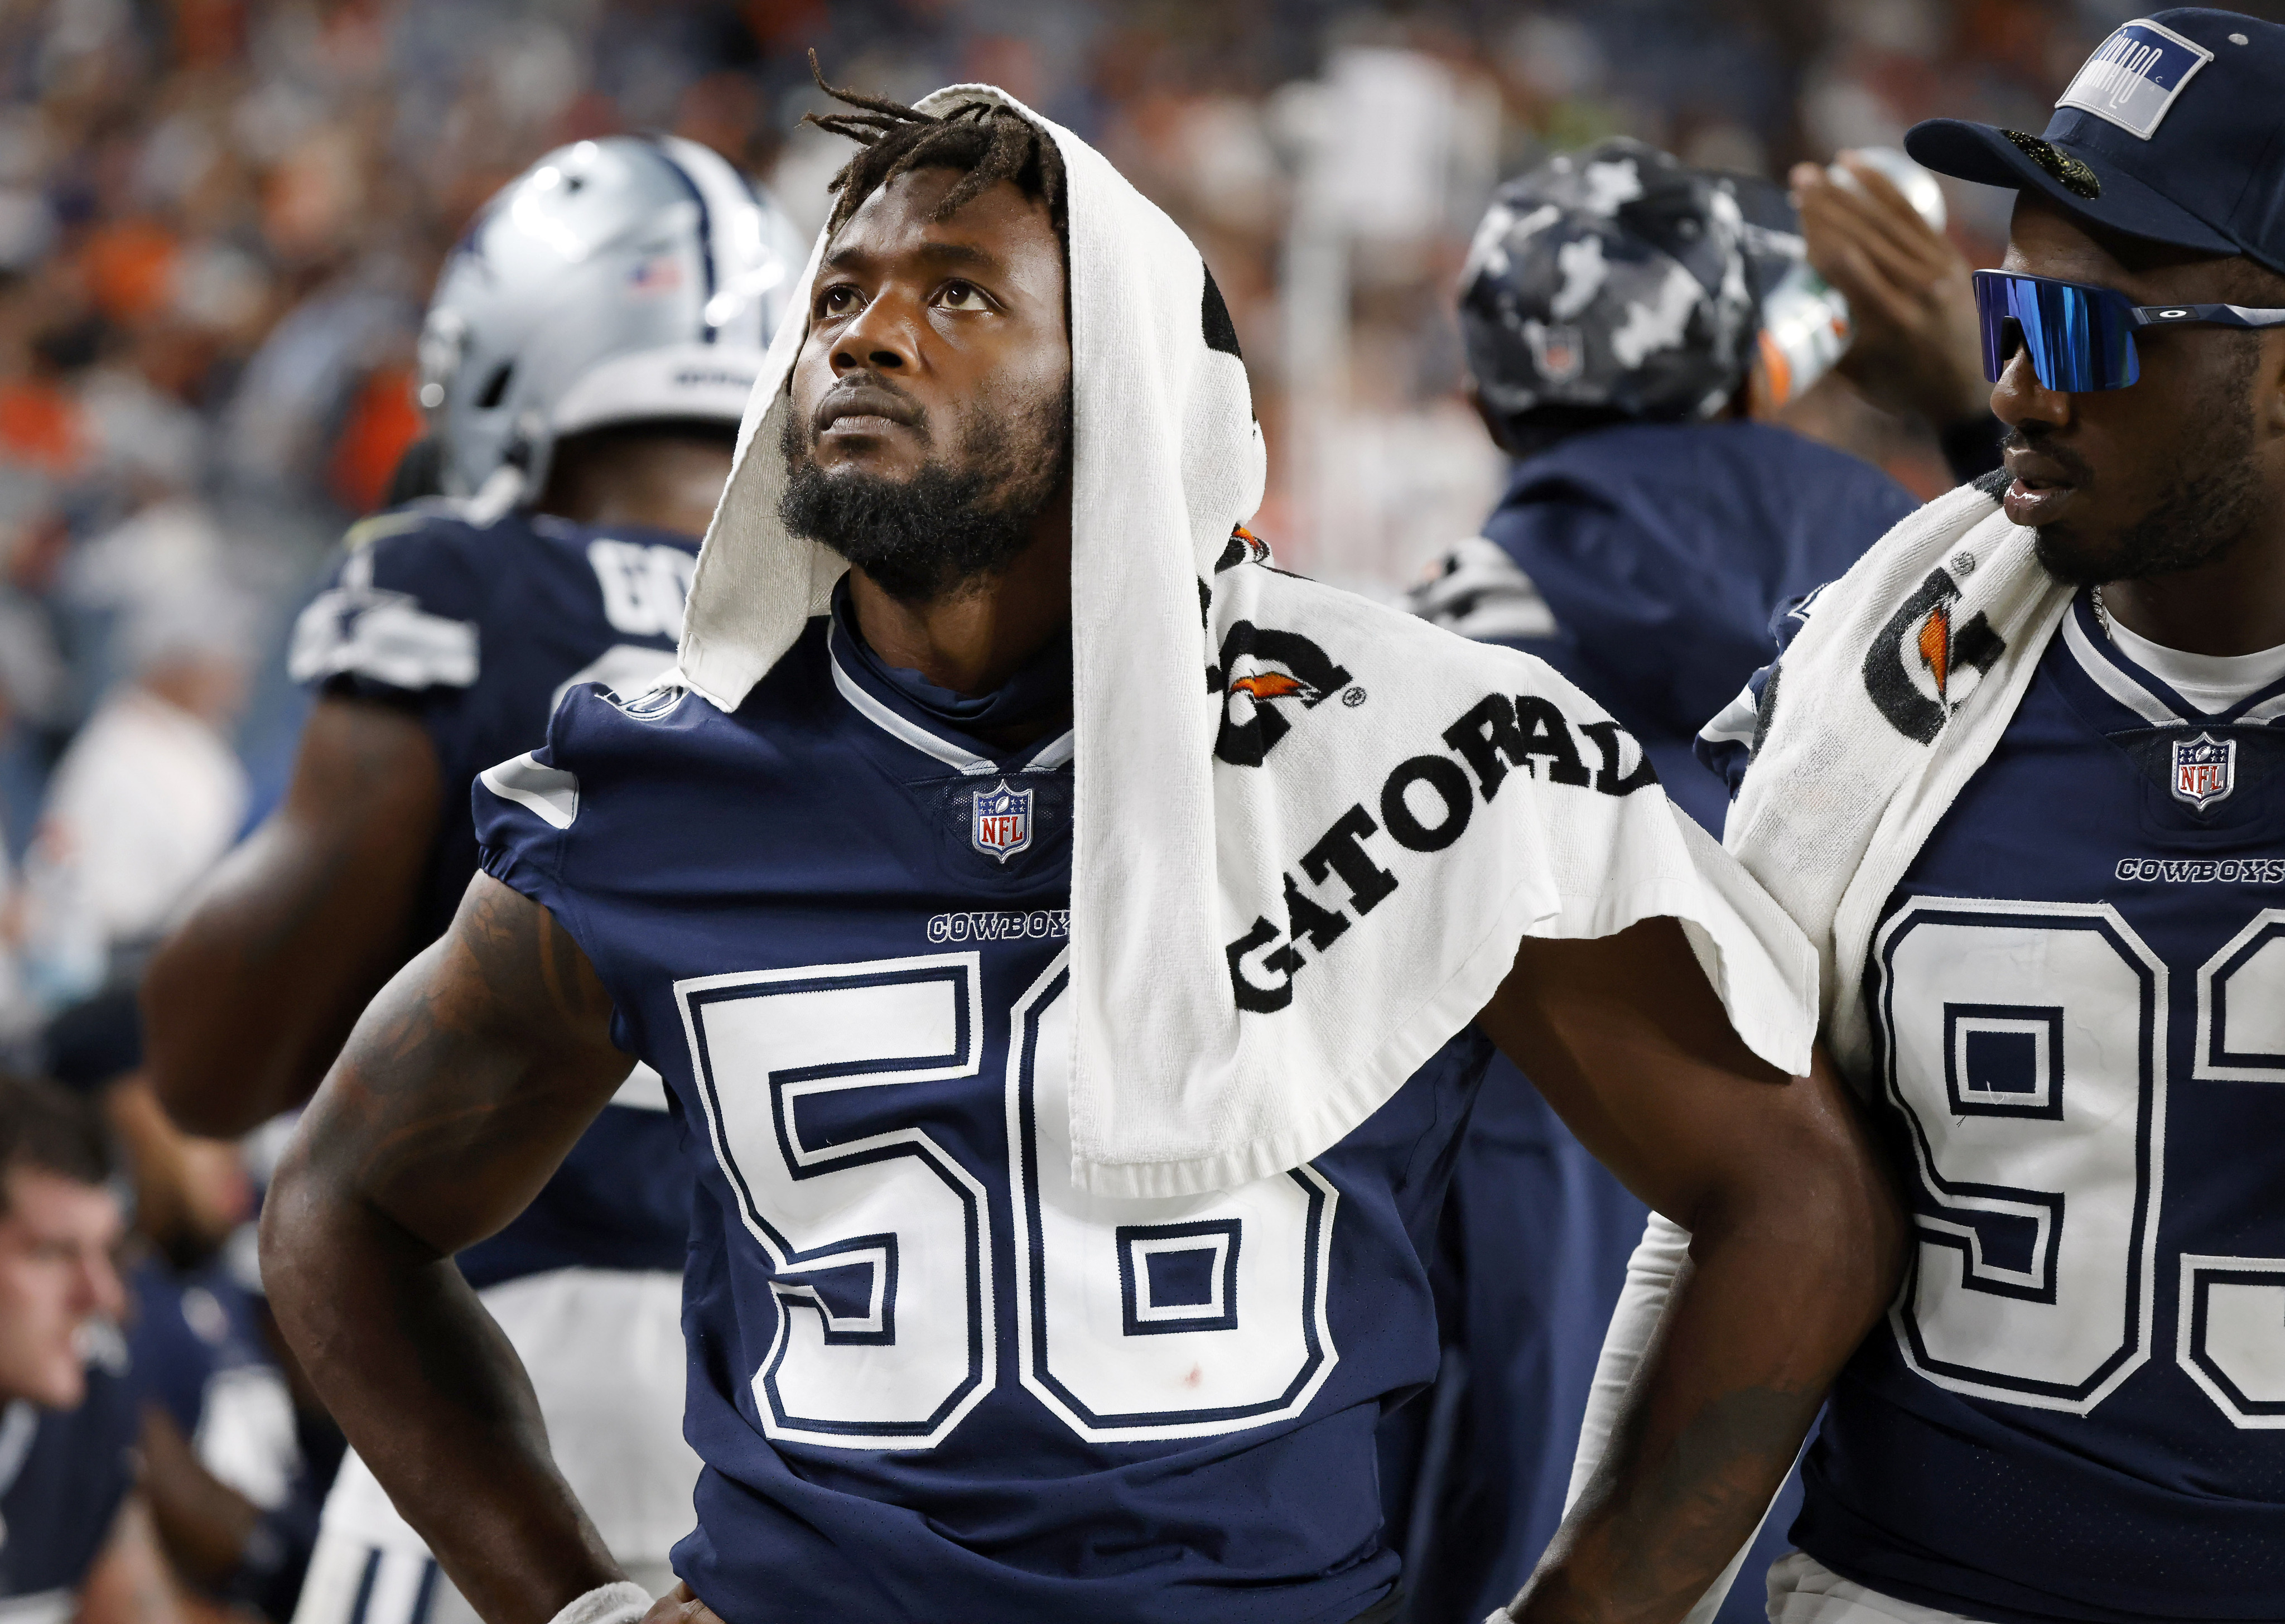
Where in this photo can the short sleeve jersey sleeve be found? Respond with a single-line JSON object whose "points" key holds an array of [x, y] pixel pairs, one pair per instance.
{"points": [[524, 809], [399, 619], [528, 809], [529, 827]]}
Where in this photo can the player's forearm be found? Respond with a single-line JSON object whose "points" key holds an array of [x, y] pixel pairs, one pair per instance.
{"points": [[465, 1082], [431, 1395], [1783, 1285], [249, 1000], [203, 1522]]}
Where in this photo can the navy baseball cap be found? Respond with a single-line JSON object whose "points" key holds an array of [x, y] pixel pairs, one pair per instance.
{"points": [[2174, 130]]}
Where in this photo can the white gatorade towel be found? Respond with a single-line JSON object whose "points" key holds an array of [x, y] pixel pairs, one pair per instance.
{"points": [[1310, 830], [1904, 673]]}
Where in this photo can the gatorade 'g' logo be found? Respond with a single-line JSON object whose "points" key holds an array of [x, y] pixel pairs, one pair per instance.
{"points": [[1263, 676], [1275, 685], [1921, 667]]}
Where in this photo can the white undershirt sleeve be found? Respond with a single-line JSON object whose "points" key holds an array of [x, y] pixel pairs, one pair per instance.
{"points": [[1658, 1259], [622, 1603]]}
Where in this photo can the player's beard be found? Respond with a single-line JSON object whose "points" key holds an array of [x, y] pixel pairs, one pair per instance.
{"points": [[2212, 502], [954, 525]]}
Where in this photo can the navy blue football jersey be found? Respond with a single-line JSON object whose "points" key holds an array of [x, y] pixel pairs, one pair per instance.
{"points": [[64, 1475], [477, 629], [2077, 1411], [929, 1377]]}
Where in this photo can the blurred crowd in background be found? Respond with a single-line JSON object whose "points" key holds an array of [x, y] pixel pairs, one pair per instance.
{"points": [[220, 220]]}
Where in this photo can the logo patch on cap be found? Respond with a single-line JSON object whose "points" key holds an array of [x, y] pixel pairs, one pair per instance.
{"points": [[2134, 78], [2074, 176]]}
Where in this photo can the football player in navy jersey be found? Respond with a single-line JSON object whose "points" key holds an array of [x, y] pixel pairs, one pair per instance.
{"points": [[76, 1540], [2072, 991], [1649, 530], [590, 346], [859, 879]]}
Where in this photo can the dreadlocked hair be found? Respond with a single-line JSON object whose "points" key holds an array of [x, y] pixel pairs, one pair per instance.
{"points": [[987, 143]]}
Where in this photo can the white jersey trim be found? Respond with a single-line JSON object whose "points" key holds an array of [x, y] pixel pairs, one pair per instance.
{"points": [[550, 792], [2216, 683], [1055, 753], [357, 629], [895, 726], [2116, 682]]}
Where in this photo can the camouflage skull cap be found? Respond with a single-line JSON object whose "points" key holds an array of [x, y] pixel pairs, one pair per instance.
{"points": [[1612, 278]]}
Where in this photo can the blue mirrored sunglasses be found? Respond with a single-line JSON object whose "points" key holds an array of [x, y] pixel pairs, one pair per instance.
{"points": [[2082, 337]]}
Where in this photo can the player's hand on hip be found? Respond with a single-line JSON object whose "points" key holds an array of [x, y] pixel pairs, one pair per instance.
{"points": [[681, 1606]]}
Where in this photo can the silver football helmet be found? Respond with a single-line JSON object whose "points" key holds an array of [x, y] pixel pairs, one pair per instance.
{"points": [[629, 279]]}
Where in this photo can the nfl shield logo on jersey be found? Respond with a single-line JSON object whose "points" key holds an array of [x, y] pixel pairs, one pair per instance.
{"points": [[2205, 769], [1001, 825]]}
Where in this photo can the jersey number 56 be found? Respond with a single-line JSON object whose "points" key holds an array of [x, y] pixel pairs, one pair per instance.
{"points": [[1132, 1319]]}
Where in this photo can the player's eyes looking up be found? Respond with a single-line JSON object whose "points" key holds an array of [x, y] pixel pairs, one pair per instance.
{"points": [[845, 299]]}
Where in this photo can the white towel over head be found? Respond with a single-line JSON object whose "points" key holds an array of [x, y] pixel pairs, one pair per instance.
{"points": [[1310, 831]]}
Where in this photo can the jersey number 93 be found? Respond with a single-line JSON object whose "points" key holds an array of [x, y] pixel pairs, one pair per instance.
{"points": [[2025, 1046]]}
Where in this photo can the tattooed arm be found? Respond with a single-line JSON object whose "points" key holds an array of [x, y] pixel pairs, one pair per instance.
{"points": [[461, 1091], [1796, 1243]]}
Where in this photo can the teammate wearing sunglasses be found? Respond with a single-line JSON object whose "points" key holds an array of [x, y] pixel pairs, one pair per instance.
{"points": [[2070, 999]]}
